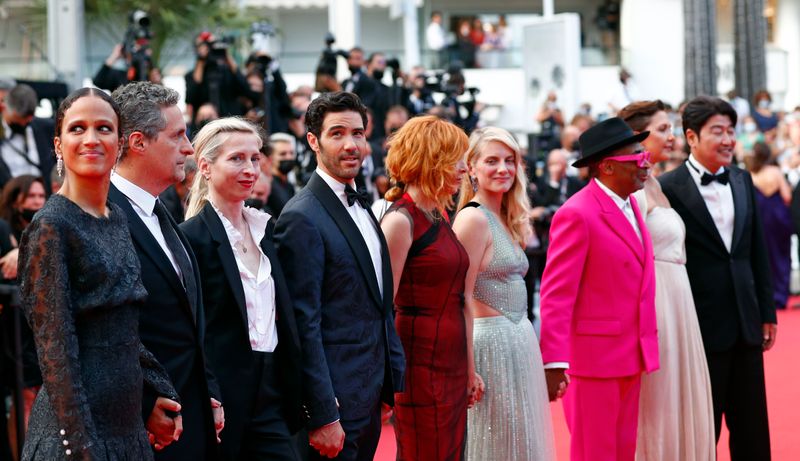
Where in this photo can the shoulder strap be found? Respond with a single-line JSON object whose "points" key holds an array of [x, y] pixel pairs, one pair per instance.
{"points": [[425, 240], [472, 205]]}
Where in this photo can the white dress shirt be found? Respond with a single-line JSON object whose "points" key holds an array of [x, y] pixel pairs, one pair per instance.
{"points": [[259, 288], [718, 198], [15, 148], [435, 37], [624, 205], [143, 204], [364, 223]]}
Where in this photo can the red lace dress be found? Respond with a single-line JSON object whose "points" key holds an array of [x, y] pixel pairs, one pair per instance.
{"points": [[431, 413]]}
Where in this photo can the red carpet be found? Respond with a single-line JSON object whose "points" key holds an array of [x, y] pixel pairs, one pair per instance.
{"points": [[783, 398]]}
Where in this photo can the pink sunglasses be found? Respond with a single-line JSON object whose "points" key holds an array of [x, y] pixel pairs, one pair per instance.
{"points": [[642, 158]]}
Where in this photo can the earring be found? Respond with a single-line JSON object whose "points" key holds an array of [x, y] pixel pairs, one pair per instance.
{"points": [[474, 182], [60, 167]]}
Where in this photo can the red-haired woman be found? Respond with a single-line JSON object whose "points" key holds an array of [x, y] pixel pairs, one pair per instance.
{"points": [[429, 265]]}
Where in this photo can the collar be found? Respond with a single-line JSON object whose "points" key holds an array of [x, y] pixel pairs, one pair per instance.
{"points": [[619, 201], [336, 186], [135, 194], [699, 169], [255, 219], [7, 129]]}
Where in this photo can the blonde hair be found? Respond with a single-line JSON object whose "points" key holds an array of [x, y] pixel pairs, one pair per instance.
{"points": [[207, 143], [515, 206], [424, 152]]}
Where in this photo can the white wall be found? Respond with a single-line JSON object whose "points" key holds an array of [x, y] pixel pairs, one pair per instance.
{"points": [[653, 48], [787, 37]]}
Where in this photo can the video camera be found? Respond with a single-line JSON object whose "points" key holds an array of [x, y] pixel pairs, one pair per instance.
{"points": [[137, 45], [327, 61]]}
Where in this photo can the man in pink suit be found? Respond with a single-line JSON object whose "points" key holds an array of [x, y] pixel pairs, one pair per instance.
{"points": [[598, 297]]}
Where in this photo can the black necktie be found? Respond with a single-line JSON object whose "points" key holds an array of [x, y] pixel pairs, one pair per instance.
{"points": [[178, 251], [353, 197], [721, 178]]}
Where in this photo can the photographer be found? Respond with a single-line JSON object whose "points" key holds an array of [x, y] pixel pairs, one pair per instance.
{"points": [[464, 114], [420, 98], [269, 96], [134, 53], [327, 67], [215, 78]]}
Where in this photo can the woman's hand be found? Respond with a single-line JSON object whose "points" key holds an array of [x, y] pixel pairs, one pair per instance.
{"points": [[475, 389], [8, 264]]}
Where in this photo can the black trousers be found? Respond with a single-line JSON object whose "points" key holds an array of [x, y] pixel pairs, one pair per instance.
{"points": [[361, 438], [739, 392], [266, 434]]}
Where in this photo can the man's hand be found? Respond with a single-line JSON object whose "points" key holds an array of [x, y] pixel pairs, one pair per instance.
{"points": [[327, 440], [161, 428], [475, 388], [219, 416], [8, 264], [770, 331], [557, 382], [116, 53], [386, 413]]}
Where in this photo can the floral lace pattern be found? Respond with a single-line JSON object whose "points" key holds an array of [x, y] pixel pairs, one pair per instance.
{"points": [[81, 289]]}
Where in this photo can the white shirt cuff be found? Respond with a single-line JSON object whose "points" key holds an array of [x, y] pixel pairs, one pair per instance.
{"points": [[551, 365]]}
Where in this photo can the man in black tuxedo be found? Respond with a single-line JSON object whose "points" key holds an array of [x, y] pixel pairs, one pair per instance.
{"points": [[172, 323], [726, 259], [339, 275], [27, 143]]}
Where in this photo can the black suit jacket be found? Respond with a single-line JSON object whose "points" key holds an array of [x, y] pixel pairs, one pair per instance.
{"points": [[227, 337], [732, 290], [43, 133], [351, 351], [173, 329]]}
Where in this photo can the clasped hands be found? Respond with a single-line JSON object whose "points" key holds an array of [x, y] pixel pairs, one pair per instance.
{"points": [[165, 423]]}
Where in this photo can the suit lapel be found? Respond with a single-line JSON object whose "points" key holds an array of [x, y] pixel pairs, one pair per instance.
{"points": [[687, 192], [351, 233], [739, 191], [617, 221], [226, 257], [142, 236]]}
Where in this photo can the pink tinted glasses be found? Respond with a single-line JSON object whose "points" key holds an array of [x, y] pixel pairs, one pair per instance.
{"points": [[642, 158]]}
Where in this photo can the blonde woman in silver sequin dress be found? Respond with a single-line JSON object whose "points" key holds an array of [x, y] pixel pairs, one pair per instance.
{"points": [[513, 420]]}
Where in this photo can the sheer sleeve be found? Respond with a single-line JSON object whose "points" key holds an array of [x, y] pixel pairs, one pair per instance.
{"points": [[45, 288], [155, 376]]}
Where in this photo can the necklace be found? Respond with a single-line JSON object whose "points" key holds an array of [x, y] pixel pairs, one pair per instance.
{"points": [[243, 243]]}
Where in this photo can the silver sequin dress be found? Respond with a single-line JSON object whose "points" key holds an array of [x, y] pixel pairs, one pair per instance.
{"points": [[512, 421]]}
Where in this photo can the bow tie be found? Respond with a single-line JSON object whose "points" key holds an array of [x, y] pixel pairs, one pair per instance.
{"points": [[721, 178], [353, 197]]}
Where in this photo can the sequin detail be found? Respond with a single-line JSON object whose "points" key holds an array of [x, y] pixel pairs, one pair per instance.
{"points": [[502, 285]]}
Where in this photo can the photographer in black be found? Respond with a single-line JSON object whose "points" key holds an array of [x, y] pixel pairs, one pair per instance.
{"points": [[269, 103], [135, 55], [215, 78], [327, 67], [464, 114]]}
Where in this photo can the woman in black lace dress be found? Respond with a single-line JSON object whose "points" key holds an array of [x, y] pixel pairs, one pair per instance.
{"points": [[81, 292]]}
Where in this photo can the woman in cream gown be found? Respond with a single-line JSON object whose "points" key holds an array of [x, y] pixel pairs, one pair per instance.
{"points": [[676, 419]]}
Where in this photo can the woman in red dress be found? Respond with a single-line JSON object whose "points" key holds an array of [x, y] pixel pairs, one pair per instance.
{"points": [[429, 265]]}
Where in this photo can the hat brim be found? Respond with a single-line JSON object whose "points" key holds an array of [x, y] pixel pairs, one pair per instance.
{"points": [[597, 156]]}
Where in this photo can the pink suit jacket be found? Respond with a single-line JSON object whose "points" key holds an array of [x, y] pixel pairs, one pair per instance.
{"points": [[598, 290]]}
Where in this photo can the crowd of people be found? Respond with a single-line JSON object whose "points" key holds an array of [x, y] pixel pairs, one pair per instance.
{"points": [[277, 280]]}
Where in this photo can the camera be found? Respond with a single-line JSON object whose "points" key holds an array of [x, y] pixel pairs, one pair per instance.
{"points": [[137, 43]]}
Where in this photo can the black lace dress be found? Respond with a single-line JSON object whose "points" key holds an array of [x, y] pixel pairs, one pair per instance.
{"points": [[81, 291]]}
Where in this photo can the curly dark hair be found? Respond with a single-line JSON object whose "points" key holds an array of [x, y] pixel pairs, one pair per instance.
{"points": [[338, 101]]}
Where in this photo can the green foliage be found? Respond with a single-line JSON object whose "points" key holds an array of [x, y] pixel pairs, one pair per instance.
{"points": [[171, 20]]}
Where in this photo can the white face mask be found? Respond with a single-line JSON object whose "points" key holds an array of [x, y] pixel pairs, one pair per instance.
{"points": [[750, 127], [764, 104]]}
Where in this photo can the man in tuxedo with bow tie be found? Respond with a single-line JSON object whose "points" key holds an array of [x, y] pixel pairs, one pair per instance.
{"points": [[172, 320], [726, 259], [26, 144], [337, 267]]}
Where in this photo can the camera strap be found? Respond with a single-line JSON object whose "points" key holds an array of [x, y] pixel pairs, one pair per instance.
{"points": [[23, 154]]}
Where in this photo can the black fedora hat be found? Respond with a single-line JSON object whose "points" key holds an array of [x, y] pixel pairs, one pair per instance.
{"points": [[605, 137]]}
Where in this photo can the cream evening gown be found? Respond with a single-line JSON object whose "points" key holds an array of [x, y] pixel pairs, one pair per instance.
{"points": [[676, 416]]}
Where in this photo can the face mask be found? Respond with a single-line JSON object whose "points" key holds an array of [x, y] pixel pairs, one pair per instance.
{"points": [[286, 166], [27, 214], [377, 74], [256, 203], [354, 69], [750, 127], [763, 104]]}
